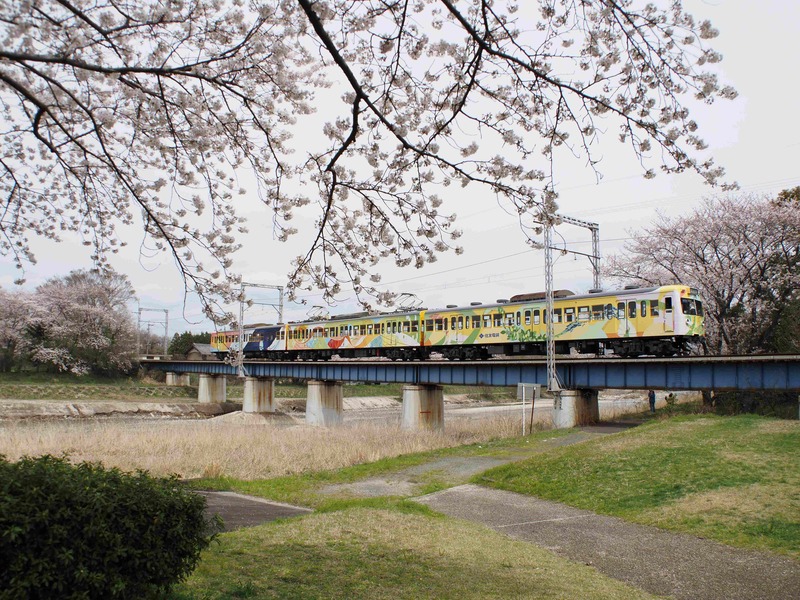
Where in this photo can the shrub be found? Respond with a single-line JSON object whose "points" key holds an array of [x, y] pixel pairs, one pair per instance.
{"points": [[84, 531], [781, 404]]}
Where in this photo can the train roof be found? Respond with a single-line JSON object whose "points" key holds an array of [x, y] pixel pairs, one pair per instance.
{"points": [[359, 315], [536, 297], [539, 297]]}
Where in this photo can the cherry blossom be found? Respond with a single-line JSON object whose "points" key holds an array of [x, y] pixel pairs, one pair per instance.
{"points": [[741, 251], [151, 112]]}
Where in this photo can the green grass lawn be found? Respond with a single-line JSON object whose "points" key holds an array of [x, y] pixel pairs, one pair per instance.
{"points": [[733, 479], [375, 553], [65, 386]]}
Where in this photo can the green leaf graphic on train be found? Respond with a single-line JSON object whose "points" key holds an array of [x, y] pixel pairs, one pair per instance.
{"points": [[515, 333]]}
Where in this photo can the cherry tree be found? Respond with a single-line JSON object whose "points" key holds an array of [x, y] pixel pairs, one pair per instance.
{"points": [[162, 113], [81, 323], [15, 308], [741, 251]]}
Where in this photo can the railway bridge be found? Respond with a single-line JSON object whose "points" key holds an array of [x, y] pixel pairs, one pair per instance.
{"points": [[423, 401]]}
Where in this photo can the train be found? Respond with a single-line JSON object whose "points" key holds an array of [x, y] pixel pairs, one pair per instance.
{"points": [[636, 321]]}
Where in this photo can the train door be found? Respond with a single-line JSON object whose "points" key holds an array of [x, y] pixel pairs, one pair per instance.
{"points": [[669, 317], [633, 318], [622, 315]]}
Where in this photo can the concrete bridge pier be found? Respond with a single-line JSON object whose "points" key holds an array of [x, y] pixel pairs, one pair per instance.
{"points": [[575, 407], [211, 389], [177, 379], [324, 402], [423, 407], [259, 395]]}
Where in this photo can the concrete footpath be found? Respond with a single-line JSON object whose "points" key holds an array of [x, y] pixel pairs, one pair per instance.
{"points": [[657, 561], [239, 510]]}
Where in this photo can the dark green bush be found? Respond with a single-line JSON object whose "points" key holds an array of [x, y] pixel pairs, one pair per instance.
{"points": [[84, 531], [781, 404]]}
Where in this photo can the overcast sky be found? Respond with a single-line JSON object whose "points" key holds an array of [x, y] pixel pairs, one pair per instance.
{"points": [[755, 137]]}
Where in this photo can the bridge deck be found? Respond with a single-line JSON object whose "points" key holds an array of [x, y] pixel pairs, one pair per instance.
{"points": [[762, 372]]}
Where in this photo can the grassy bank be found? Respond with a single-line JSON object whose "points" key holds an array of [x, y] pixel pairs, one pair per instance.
{"points": [[374, 554], [735, 479], [66, 387], [312, 487]]}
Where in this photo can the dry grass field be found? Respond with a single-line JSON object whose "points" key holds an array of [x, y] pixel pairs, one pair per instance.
{"points": [[219, 447]]}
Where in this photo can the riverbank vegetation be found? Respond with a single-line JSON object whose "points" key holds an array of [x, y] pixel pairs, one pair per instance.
{"points": [[732, 479]]}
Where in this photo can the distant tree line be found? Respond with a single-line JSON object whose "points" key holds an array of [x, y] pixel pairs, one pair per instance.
{"points": [[78, 323], [181, 343]]}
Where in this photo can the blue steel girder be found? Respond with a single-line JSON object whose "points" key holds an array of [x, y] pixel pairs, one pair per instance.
{"points": [[765, 372]]}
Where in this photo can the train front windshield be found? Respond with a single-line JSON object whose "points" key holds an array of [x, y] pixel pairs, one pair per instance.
{"points": [[692, 307]]}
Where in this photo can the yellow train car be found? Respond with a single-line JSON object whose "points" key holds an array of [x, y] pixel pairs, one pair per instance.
{"points": [[394, 335], [636, 321], [631, 322]]}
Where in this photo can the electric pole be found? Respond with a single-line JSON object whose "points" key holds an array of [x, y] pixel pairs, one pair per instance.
{"points": [[139, 325], [277, 306]]}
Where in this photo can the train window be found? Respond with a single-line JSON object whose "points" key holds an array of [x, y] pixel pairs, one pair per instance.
{"points": [[667, 303], [369, 329], [510, 319], [428, 324], [643, 307], [406, 326], [439, 325], [583, 313], [453, 323], [414, 327], [688, 307], [699, 308], [461, 322], [536, 319], [556, 315], [363, 329], [654, 308], [497, 320], [519, 319], [327, 332], [487, 320], [569, 315], [620, 310], [476, 322], [632, 309], [527, 317], [597, 312], [544, 316], [610, 314]]}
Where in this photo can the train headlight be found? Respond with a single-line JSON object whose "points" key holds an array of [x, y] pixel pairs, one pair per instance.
{"points": [[688, 321]]}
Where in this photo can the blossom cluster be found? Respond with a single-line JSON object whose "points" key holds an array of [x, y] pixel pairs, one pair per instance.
{"points": [[149, 112]]}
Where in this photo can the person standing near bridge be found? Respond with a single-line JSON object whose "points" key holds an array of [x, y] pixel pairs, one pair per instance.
{"points": [[651, 396]]}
